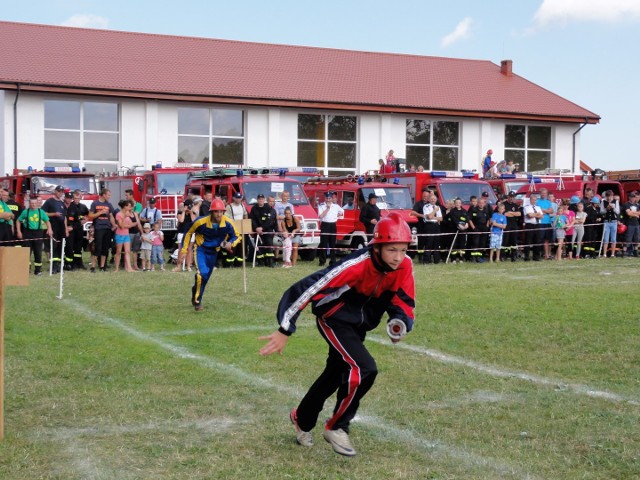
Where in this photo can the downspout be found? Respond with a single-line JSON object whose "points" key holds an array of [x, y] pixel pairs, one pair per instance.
{"points": [[15, 127], [573, 153]]}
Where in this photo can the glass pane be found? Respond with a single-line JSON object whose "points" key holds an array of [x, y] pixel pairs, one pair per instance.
{"points": [[228, 123], [419, 131], [342, 128], [517, 156], [101, 146], [445, 133], [227, 151], [538, 161], [310, 127], [193, 149], [419, 156], [171, 183], [193, 121], [342, 155], [514, 136], [539, 137], [62, 114], [101, 167], [62, 145], [101, 116], [311, 154], [445, 158]]}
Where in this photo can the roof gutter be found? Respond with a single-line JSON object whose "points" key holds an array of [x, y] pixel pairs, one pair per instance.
{"points": [[15, 127], [573, 154]]}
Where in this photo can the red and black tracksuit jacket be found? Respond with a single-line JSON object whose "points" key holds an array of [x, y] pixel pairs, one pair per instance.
{"points": [[348, 300]]}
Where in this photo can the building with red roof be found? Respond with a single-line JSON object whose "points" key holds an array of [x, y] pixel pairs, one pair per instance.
{"points": [[103, 99]]}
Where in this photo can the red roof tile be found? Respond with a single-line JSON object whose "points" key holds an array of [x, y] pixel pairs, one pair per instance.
{"points": [[265, 73]]}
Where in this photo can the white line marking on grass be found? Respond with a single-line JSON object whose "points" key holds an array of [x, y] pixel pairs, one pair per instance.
{"points": [[216, 330], [504, 373], [254, 380]]}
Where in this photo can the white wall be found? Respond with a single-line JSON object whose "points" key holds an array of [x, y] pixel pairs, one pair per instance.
{"points": [[149, 135]]}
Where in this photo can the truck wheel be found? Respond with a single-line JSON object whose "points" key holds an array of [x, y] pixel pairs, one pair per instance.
{"points": [[307, 254], [358, 242]]}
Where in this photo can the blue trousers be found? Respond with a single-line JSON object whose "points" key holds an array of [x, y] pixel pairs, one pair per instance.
{"points": [[205, 261]]}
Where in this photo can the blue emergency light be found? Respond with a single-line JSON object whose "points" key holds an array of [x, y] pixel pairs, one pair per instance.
{"points": [[438, 174], [468, 174], [282, 172], [396, 181], [360, 180], [240, 172], [508, 176]]}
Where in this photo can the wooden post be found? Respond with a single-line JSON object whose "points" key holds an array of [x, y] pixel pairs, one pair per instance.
{"points": [[245, 228], [14, 270]]}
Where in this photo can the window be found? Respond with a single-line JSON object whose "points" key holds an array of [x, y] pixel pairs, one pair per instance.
{"points": [[78, 133], [528, 147], [433, 144], [210, 136], [327, 142]]}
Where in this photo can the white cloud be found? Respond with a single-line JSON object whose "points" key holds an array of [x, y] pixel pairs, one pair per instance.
{"points": [[462, 31], [565, 11], [86, 21]]}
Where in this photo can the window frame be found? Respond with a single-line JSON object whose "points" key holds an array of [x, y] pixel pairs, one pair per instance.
{"points": [[525, 150], [327, 142], [431, 146], [82, 131], [211, 137]]}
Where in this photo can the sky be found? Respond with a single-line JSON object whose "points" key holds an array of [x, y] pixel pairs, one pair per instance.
{"points": [[582, 50]]}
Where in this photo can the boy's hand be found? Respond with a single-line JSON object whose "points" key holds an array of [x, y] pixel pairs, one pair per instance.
{"points": [[276, 343]]}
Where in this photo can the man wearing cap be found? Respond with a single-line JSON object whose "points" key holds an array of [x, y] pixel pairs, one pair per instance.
{"points": [[370, 215], [632, 216], [151, 214], [237, 212], [77, 216], [514, 220], [101, 213], [263, 222], [328, 213], [56, 210]]}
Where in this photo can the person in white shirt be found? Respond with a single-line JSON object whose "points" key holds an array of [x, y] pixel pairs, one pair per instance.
{"points": [[533, 233], [328, 213]]}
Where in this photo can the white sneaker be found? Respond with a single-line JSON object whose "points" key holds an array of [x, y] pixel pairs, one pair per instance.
{"points": [[303, 438], [339, 440]]}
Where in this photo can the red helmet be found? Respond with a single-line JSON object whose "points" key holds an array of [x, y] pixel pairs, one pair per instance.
{"points": [[217, 205], [391, 229]]}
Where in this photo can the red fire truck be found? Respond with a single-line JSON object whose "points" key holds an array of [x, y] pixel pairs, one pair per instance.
{"points": [[166, 185], [447, 185], [43, 183], [629, 179], [250, 182], [352, 194]]}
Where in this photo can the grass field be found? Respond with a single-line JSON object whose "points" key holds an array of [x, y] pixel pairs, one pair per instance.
{"points": [[527, 370]]}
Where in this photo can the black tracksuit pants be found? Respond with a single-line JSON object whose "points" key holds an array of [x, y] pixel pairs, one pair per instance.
{"points": [[350, 370]]}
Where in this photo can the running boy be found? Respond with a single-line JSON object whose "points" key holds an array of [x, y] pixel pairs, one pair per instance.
{"points": [[348, 300]]}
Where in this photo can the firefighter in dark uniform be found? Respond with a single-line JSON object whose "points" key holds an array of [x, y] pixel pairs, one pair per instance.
{"points": [[370, 215], [56, 210], [459, 217], [263, 222], [418, 211], [77, 215], [513, 212]]}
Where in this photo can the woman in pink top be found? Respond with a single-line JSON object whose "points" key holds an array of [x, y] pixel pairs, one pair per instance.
{"points": [[571, 218], [123, 241]]}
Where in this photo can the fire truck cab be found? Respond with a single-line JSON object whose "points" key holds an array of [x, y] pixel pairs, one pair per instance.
{"points": [[43, 183], [251, 182], [352, 195], [166, 185], [447, 185], [629, 179]]}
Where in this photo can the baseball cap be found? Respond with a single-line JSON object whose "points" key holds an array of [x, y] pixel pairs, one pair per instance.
{"points": [[633, 194], [328, 195], [146, 225], [237, 195], [59, 188], [152, 200], [512, 193], [260, 195], [372, 195], [68, 195], [197, 199], [485, 194]]}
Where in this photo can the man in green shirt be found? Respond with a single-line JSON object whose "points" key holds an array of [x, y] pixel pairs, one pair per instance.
{"points": [[6, 219], [31, 226]]}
